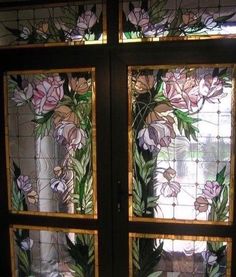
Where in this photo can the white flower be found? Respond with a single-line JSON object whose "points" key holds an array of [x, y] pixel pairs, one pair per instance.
{"points": [[26, 244], [22, 96], [209, 257], [170, 189], [58, 185], [25, 33]]}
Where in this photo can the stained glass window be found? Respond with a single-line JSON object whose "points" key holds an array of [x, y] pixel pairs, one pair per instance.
{"points": [[50, 131], [52, 252], [151, 20], [168, 255], [61, 24], [181, 165]]}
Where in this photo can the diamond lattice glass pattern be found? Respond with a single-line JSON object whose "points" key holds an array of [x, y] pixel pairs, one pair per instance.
{"points": [[165, 255], [180, 139], [50, 127], [167, 19], [39, 252], [71, 23]]}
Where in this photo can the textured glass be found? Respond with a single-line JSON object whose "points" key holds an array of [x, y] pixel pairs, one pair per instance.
{"points": [[164, 255], [50, 128], [180, 140], [71, 23], [38, 252], [175, 19]]}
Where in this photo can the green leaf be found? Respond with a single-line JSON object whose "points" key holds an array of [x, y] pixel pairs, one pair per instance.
{"points": [[77, 269], [214, 271], [44, 118], [185, 123], [220, 176], [155, 274], [24, 261], [222, 19]]}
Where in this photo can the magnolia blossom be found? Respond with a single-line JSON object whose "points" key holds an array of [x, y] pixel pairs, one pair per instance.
{"points": [[201, 204], [139, 17], [211, 88], [25, 33], [170, 189], [208, 20], [189, 18], [80, 85], [22, 96], [156, 135], [211, 189], [86, 21], [58, 185], [181, 90], [68, 134], [144, 83], [209, 257], [26, 244], [33, 197], [24, 183], [169, 173], [42, 29], [47, 93], [64, 113]]}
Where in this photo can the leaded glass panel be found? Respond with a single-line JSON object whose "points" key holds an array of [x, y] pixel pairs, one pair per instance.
{"points": [[61, 24], [51, 252], [150, 20], [181, 133], [172, 256], [51, 137]]}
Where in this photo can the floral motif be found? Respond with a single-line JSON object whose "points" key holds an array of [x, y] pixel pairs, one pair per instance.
{"points": [[182, 91], [170, 189], [211, 88], [209, 257], [33, 197], [211, 189], [23, 183], [139, 17], [58, 185], [47, 93], [201, 204], [71, 136], [26, 244], [156, 135], [144, 83], [80, 85], [64, 113], [23, 96]]}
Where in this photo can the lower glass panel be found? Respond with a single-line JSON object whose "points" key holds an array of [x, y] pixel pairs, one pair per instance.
{"points": [[52, 252], [172, 256]]}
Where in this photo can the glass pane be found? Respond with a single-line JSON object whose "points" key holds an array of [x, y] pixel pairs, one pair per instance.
{"points": [[172, 256], [180, 141], [50, 127], [51, 252], [151, 20], [61, 24]]}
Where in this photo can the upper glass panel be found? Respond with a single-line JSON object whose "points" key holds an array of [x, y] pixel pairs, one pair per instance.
{"points": [[51, 252], [181, 134], [176, 19], [50, 131], [62, 24]]}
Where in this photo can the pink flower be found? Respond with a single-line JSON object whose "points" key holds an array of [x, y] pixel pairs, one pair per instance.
{"points": [[139, 17], [181, 90], [201, 204], [211, 189], [156, 135], [86, 21], [22, 96], [211, 88], [170, 189], [47, 93], [24, 183], [69, 135]]}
